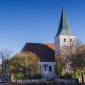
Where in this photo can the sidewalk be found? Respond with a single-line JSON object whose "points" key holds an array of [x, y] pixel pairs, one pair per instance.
{"points": [[9, 83]]}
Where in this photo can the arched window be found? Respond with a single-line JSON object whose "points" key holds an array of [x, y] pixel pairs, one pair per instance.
{"points": [[64, 40], [70, 40], [50, 68]]}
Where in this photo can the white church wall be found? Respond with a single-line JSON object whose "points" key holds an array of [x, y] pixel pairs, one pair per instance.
{"points": [[57, 45], [67, 40], [46, 73], [59, 42], [47, 68]]}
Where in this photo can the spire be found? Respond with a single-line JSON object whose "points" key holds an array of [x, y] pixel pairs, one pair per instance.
{"points": [[64, 28]]}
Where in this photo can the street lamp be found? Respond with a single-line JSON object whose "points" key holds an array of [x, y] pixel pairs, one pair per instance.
{"points": [[21, 69], [22, 73], [26, 65], [32, 71]]}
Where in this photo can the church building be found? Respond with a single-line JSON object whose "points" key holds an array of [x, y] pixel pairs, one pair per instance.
{"points": [[47, 52]]}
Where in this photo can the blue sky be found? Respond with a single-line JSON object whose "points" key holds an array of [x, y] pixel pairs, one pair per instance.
{"points": [[37, 21]]}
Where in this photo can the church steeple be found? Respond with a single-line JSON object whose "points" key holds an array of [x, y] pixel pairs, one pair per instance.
{"points": [[64, 28]]}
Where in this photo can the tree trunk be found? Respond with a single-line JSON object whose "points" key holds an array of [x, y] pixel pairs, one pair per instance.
{"points": [[82, 77], [59, 71], [74, 71]]}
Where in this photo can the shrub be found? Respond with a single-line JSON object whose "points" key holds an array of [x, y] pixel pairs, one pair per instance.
{"points": [[62, 83], [77, 81], [35, 76], [18, 76], [66, 76], [43, 83], [27, 76]]}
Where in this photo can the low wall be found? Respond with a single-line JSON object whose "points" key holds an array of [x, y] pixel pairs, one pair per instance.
{"points": [[65, 80], [28, 81]]}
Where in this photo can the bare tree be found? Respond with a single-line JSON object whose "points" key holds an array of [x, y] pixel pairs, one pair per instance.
{"points": [[72, 56], [60, 64], [4, 55]]}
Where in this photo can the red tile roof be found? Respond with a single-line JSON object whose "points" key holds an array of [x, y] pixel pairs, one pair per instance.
{"points": [[45, 51]]}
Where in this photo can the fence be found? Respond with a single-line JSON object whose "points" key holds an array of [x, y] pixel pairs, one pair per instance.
{"points": [[28, 81]]}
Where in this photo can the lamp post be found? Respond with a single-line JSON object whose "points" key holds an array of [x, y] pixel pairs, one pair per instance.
{"points": [[26, 65], [22, 73], [21, 69], [39, 65], [32, 71]]}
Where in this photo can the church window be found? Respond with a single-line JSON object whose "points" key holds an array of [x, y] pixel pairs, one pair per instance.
{"points": [[50, 68], [64, 40], [70, 40]]}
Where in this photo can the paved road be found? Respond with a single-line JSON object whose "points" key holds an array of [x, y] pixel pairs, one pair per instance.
{"points": [[9, 83]]}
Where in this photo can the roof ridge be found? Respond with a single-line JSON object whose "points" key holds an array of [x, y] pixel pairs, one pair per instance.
{"points": [[39, 43]]}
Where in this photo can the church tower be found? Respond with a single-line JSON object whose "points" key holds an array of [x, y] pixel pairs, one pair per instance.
{"points": [[64, 35]]}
